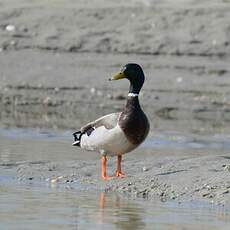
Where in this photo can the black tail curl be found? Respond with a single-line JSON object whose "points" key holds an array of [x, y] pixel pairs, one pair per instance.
{"points": [[77, 138], [78, 134]]}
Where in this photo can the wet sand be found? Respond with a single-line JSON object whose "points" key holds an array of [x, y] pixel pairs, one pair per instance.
{"points": [[56, 58]]}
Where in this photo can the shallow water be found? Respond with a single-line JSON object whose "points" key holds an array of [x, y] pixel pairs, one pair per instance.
{"points": [[35, 205], [188, 141], [163, 140], [42, 207]]}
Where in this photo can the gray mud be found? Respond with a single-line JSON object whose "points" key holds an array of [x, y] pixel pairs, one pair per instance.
{"points": [[178, 178], [186, 27]]}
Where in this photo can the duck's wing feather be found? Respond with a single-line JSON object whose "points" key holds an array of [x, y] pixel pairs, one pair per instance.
{"points": [[108, 121]]}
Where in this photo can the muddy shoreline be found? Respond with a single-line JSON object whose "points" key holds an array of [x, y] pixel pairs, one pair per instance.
{"points": [[179, 178]]}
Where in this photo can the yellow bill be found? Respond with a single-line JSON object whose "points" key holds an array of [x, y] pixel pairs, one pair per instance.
{"points": [[117, 76]]}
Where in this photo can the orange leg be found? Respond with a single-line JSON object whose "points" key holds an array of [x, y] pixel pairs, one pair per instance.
{"points": [[103, 169], [119, 173]]}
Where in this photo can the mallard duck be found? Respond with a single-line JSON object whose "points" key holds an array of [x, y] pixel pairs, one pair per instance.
{"points": [[117, 133]]}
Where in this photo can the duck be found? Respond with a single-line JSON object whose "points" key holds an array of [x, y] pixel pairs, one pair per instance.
{"points": [[117, 133]]}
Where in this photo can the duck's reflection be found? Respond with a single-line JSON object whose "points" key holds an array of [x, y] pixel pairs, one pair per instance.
{"points": [[123, 213]]}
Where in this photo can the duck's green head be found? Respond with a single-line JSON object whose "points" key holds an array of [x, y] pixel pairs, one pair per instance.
{"points": [[134, 73]]}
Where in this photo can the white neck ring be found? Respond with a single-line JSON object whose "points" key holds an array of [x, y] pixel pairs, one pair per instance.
{"points": [[133, 95]]}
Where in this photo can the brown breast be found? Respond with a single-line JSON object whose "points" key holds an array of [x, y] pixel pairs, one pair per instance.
{"points": [[134, 122]]}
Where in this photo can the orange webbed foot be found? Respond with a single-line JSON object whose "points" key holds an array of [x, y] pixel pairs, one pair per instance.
{"points": [[120, 174], [107, 177]]}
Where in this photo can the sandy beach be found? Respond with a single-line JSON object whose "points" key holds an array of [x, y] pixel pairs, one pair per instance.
{"points": [[55, 61]]}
